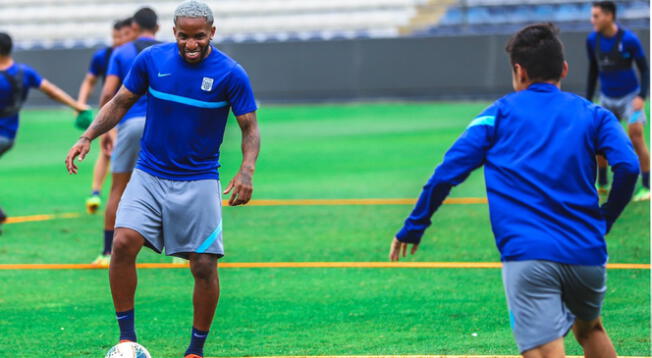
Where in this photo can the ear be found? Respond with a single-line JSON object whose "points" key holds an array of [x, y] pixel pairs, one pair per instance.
{"points": [[174, 31], [212, 31], [156, 29], [564, 71], [521, 73]]}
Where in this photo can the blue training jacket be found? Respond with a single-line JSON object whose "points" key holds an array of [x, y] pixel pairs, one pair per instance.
{"points": [[538, 147]]}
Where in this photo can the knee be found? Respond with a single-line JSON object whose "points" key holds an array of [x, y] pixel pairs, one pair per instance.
{"points": [[203, 268], [636, 133], [125, 244], [584, 332]]}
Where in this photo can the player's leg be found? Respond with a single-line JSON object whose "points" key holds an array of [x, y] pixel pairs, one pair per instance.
{"points": [[198, 205], [592, 336], [204, 299], [636, 134], [5, 144], [122, 276], [119, 183], [584, 289], [603, 179], [123, 161], [538, 316], [138, 223], [100, 170], [554, 349]]}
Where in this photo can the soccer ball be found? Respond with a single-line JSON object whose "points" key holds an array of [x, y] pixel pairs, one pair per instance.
{"points": [[128, 350]]}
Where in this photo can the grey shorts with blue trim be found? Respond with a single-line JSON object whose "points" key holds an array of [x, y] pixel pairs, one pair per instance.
{"points": [[127, 146], [622, 108], [545, 298], [181, 217]]}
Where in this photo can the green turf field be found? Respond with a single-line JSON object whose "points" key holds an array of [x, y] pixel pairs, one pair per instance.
{"points": [[326, 151]]}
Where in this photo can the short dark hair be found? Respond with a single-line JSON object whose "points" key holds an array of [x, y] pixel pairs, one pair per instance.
{"points": [[146, 18], [539, 51], [128, 21], [606, 6], [118, 24], [5, 44]]}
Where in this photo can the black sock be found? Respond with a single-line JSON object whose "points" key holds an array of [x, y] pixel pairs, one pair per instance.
{"points": [[108, 242], [645, 179], [197, 341], [603, 179], [126, 321]]}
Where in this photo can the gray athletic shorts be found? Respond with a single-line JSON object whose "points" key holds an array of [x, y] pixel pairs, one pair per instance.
{"points": [[5, 144], [127, 147], [622, 108], [178, 216], [544, 298]]}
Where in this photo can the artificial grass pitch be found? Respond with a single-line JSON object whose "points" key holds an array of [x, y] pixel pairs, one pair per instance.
{"points": [[326, 151]]}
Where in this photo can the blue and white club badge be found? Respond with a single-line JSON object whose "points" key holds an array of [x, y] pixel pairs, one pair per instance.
{"points": [[207, 84]]}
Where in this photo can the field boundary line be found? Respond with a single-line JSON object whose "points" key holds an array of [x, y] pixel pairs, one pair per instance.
{"points": [[274, 202], [43, 217], [371, 264]]}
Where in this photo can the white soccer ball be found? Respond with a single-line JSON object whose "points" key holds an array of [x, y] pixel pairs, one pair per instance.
{"points": [[128, 350]]}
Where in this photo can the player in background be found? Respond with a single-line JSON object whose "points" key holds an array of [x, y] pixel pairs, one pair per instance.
{"points": [[16, 79], [96, 71], [123, 142], [612, 51], [538, 147], [127, 30], [172, 202]]}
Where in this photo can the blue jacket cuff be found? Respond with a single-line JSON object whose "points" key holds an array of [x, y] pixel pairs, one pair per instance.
{"points": [[409, 237]]}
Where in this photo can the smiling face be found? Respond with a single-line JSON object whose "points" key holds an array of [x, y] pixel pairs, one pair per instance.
{"points": [[193, 35]]}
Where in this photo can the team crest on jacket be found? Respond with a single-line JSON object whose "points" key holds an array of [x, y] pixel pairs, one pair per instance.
{"points": [[207, 84]]}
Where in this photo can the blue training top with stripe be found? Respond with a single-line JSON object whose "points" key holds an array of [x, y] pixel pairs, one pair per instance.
{"points": [[122, 59], [31, 79], [538, 148], [187, 109], [621, 80]]}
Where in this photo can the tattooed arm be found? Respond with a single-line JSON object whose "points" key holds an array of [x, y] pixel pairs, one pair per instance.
{"points": [[242, 183], [109, 116]]}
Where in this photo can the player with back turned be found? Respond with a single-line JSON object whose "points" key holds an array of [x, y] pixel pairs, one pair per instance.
{"points": [[172, 202], [538, 147], [16, 79]]}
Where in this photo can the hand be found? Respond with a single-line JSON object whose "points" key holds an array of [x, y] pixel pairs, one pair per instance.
{"points": [[638, 103], [398, 248], [80, 107], [81, 148], [242, 188], [107, 141]]}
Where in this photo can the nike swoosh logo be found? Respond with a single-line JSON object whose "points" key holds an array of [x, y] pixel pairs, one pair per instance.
{"points": [[164, 74], [122, 317], [199, 336]]}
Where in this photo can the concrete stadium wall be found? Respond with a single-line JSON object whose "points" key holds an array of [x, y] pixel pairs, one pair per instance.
{"points": [[468, 67]]}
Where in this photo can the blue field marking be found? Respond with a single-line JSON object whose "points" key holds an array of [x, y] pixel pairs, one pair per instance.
{"points": [[185, 100]]}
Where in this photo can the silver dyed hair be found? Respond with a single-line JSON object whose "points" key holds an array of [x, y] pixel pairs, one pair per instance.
{"points": [[194, 9]]}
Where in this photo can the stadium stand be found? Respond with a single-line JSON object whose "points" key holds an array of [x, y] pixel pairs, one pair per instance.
{"points": [[506, 16], [85, 23], [48, 23]]}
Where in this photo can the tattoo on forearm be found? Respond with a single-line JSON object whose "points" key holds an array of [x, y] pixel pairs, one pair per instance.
{"points": [[250, 139]]}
